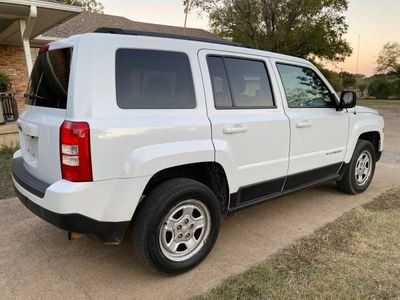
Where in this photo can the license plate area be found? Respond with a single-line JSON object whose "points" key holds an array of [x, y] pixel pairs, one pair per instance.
{"points": [[30, 149]]}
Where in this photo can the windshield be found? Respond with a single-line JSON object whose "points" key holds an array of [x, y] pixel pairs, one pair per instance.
{"points": [[48, 86]]}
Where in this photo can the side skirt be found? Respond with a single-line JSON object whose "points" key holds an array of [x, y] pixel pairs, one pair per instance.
{"points": [[254, 194]]}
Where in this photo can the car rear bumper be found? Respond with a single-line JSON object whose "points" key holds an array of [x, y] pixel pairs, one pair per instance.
{"points": [[107, 232], [103, 208], [26, 180]]}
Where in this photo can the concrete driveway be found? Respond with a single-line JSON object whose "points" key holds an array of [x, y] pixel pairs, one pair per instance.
{"points": [[37, 260]]}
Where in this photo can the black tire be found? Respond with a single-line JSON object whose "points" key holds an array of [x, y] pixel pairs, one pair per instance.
{"points": [[151, 215], [348, 183]]}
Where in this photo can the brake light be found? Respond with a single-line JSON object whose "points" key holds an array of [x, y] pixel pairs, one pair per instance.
{"points": [[75, 156]]}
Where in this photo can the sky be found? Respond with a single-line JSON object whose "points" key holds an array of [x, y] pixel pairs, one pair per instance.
{"points": [[374, 21]]}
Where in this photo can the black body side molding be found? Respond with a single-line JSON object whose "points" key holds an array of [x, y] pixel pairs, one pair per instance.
{"points": [[254, 194]]}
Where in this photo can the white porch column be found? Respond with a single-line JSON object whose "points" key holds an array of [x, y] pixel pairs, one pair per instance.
{"points": [[26, 27]]}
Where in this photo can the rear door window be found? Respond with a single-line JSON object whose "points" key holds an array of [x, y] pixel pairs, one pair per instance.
{"points": [[150, 79], [219, 81], [249, 83], [240, 83], [48, 85]]}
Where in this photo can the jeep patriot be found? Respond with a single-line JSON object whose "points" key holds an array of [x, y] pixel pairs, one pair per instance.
{"points": [[170, 133]]}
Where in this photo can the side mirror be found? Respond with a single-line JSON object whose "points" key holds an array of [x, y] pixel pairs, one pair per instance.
{"points": [[348, 99]]}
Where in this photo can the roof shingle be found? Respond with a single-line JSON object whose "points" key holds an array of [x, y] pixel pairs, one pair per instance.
{"points": [[88, 22]]}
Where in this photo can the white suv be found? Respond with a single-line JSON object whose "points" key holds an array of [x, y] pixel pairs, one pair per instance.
{"points": [[171, 133]]}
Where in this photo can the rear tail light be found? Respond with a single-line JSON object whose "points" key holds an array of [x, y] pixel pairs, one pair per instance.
{"points": [[75, 156]]}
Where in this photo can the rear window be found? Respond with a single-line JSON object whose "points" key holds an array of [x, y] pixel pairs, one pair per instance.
{"points": [[150, 79], [48, 86]]}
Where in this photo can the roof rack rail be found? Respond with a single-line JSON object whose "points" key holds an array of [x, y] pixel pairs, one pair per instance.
{"points": [[169, 36]]}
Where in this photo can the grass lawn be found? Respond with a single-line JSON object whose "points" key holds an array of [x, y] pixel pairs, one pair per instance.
{"points": [[6, 186], [355, 257]]}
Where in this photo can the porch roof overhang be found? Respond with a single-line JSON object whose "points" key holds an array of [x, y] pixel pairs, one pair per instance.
{"points": [[23, 20], [43, 14]]}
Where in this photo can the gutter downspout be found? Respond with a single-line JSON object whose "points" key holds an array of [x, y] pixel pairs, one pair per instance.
{"points": [[26, 27]]}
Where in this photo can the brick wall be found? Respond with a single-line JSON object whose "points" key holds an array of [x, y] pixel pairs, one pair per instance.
{"points": [[12, 62]]}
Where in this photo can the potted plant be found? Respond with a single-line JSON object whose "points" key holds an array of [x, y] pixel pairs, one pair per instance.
{"points": [[4, 82]]}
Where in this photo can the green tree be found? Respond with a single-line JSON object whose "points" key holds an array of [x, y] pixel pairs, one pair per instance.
{"points": [[88, 5], [333, 78], [389, 59], [397, 88], [304, 28], [362, 86], [381, 88], [188, 5], [348, 80]]}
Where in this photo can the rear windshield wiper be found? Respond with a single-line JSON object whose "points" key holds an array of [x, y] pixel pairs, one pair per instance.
{"points": [[33, 97]]}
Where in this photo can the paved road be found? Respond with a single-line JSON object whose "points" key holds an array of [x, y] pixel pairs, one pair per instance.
{"points": [[37, 261]]}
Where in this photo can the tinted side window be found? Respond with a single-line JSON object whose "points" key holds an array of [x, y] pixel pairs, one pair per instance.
{"points": [[219, 80], [147, 79], [239, 83], [304, 88], [249, 83]]}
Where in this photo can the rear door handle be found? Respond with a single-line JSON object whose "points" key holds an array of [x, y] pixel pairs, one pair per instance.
{"points": [[236, 128], [304, 124]]}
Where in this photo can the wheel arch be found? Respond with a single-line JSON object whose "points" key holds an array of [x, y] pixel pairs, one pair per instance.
{"points": [[211, 174], [373, 135], [366, 128]]}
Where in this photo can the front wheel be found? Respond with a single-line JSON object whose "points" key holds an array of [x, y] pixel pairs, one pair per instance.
{"points": [[360, 171], [177, 225]]}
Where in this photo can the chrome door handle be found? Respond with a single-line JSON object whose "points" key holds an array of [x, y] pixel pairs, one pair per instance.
{"points": [[304, 124], [236, 128]]}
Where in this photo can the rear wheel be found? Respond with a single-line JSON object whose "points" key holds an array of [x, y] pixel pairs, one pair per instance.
{"points": [[360, 171], [177, 225]]}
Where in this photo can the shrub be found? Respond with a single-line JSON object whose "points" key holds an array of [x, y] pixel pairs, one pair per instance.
{"points": [[333, 78], [397, 88], [4, 79], [381, 88], [362, 86]]}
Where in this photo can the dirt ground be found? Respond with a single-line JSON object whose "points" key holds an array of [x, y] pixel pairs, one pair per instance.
{"points": [[37, 260]]}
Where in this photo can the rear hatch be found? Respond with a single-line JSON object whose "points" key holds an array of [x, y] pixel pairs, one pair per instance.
{"points": [[46, 106]]}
